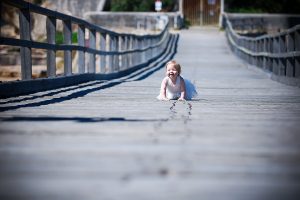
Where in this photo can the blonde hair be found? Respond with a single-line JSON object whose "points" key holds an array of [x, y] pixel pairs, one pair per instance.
{"points": [[175, 64]]}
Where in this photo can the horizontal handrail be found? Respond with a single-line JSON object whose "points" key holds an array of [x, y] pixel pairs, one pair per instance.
{"points": [[278, 53], [117, 51], [47, 46], [51, 13]]}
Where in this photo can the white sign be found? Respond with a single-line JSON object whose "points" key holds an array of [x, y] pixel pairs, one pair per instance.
{"points": [[158, 5]]}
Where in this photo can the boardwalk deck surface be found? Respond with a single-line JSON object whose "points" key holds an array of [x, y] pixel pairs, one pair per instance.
{"points": [[239, 139]]}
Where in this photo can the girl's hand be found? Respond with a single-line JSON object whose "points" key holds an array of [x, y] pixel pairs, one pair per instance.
{"points": [[165, 99], [181, 99]]}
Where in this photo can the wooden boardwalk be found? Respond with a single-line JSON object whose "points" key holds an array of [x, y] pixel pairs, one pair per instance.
{"points": [[113, 140]]}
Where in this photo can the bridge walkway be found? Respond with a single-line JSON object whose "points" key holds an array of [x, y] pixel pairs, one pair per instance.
{"points": [[239, 139]]}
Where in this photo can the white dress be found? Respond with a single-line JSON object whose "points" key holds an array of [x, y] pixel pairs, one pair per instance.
{"points": [[173, 90]]}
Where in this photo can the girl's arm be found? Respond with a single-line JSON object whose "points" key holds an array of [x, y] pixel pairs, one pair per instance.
{"points": [[163, 89], [182, 89]]}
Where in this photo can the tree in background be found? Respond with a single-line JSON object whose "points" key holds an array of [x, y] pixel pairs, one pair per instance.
{"points": [[263, 6], [138, 5]]}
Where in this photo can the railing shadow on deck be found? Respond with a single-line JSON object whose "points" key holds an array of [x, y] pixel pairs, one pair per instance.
{"points": [[87, 88], [277, 54], [120, 54], [78, 119]]}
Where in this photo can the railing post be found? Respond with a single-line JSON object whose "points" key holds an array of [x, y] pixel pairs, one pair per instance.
{"points": [[270, 50], [26, 63], [138, 46], [275, 50], [255, 49], [260, 58], [150, 50], [92, 57], [81, 54], [265, 49], [282, 61], [128, 55], [144, 53], [131, 55], [103, 57], [122, 48], [290, 63], [113, 48], [297, 48], [116, 56], [134, 55], [109, 57], [125, 56], [138, 54], [51, 31], [67, 29]]}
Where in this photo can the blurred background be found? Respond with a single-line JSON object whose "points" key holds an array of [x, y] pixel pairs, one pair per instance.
{"points": [[134, 16]]}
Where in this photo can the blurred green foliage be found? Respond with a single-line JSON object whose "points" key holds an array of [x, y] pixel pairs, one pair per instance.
{"points": [[263, 6], [59, 38], [138, 5]]}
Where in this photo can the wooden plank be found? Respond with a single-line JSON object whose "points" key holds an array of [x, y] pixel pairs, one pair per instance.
{"points": [[238, 140]]}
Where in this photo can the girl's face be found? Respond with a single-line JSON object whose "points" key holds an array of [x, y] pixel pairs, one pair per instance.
{"points": [[172, 71]]}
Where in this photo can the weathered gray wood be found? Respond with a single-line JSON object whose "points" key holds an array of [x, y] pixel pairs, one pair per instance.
{"points": [[265, 49], [276, 49], [92, 57], [51, 32], [25, 53], [116, 56], [277, 57], [128, 54], [109, 47], [297, 40], [297, 48], [297, 67], [67, 32], [290, 65], [282, 61], [143, 43], [130, 47], [151, 52], [103, 57], [113, 48], [81, 54], [237, 141], [260, 49], [136, 54], [121, 48], [114, 60]]}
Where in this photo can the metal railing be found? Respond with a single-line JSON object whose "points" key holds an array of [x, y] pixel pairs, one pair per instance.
{"points": [[117, 51], [278, 53]]}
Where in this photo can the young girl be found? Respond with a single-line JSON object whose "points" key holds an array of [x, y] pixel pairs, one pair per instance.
{"points": [[173, 86]]}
